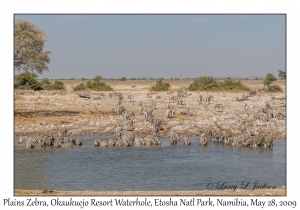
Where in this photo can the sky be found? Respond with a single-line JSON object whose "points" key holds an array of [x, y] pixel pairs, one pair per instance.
{"points": [[168, 46]]}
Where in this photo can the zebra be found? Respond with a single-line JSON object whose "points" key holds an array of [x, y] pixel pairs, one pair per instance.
{"points": [[153, 104], [200, 99], [119, 110], [61, 131], [97, 142], [170, 113], [149, 96], [208, 99], [219, 107], [268, 141], [158, 97], [188, 112], [128, 124], [247, 108], [148, 114], [30, 145], [102, 95], [182, 92], [130, 97], [78, 142], [141, 108], [172, 99], [111, 143], [181, 102], [203, 140], [139, 141], [186, 140], [103, 144], [174, 137]]}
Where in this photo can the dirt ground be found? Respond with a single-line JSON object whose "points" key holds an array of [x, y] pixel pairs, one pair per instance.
{"points": [[39, 114], [263, 192]]}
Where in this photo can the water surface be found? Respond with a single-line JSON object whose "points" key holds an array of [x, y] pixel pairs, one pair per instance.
{"points": [[162, 167]]}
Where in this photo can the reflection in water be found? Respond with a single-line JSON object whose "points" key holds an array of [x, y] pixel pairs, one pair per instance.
{"points": [[162, 167]]}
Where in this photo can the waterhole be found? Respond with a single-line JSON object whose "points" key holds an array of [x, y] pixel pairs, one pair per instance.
{"points": [[163, 167]]}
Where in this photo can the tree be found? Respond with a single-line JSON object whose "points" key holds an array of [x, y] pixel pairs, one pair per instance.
{"points": [[269, 79], [282, 74], [29, 41]]}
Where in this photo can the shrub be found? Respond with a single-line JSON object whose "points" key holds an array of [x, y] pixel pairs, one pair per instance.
{"points": [[269, 79], [274, 88], [230, 84], [27, 80], [46, 84], [80, 87], [98, 85], [123, 79], [58, 85], [204, 83], [160, 85]]}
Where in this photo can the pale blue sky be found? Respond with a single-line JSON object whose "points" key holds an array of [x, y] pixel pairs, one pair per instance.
{"points": [[166, 46]]}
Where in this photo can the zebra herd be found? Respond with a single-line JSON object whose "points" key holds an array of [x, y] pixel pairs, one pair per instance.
{"points": [[46, 141], [127, 138], [40, 92], [248, 136]]}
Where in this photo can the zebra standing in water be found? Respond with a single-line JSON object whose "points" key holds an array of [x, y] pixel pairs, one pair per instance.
{"points": [[174, 137]]}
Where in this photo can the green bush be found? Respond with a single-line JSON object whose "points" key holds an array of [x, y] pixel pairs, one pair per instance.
{"points": [[98, 85], [274, 88], [160, 85], [46, 84], [269, 79], [123, 79], [80, 87], [230, 84], [27, 80], [204, 83], [58, 85]]}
